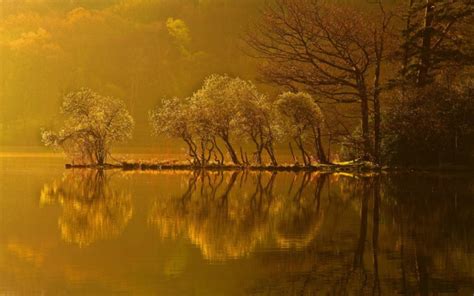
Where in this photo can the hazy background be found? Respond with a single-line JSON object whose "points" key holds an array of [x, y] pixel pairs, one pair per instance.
{"points": [[136, 50]]}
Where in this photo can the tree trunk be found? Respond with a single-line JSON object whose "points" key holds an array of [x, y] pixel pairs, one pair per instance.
{"points": [[231, 150], [192, 150], [304, 154], [203, 153], [100, 159], [376, 97], [242, 156], [100, 152], [364, 106], [258, 152], [319, 145], [406, 45], [424, 64], [218, 150], [271, 153], [209, 150], [292, 153]]}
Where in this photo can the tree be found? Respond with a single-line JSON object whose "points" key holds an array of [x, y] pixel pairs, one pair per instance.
{"points": [[255, 119], [303, 120], [217, 99], [171, 118], [186, 119], [93, 123], [203, 128], [437, 36], [429, 120], [431, 127], [327, 50]]}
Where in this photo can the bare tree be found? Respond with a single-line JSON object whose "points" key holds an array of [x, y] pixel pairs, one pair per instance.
{"points": [[324, 49]]}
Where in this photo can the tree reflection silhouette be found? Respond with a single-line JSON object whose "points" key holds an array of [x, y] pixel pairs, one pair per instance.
{"points": [[434, 215], [228, 221], [408, 236], [298, 218], [92, 209]]}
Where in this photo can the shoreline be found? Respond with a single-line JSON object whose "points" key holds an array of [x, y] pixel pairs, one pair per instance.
{"points": [[327, 168]]}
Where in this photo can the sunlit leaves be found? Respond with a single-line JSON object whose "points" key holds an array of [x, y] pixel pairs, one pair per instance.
{"points": [[93, 123], [92, 209]]}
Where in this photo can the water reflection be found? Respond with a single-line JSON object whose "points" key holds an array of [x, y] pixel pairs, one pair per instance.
{"points": [[413, 236], [92, 209], [228, 214], [208, 214], [365, 233], [433, 222], [300, 234]]}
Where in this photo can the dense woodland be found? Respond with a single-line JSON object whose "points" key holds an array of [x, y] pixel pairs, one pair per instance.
{"points": [[386, 83]]}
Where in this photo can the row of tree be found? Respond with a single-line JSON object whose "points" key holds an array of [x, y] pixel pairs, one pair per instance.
{"points": [[227, 108], [209, 122]]}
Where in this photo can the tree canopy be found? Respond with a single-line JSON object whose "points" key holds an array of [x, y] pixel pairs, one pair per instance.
{"points": [[93, 123]]}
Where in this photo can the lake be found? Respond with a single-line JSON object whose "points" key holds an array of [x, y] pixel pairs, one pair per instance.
{"points": [[88, 232]]}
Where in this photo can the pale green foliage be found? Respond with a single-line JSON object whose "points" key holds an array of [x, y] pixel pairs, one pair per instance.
{"points": [[222, 108], [299, 112], [178, 29], [227, 107], [256, 120], [302, 120], [93, 123], [171, 118], [217, 100], [176, 118], [215, 109]]}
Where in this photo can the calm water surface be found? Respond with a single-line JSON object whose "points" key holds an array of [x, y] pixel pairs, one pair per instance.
{"points": [[85, 232]]}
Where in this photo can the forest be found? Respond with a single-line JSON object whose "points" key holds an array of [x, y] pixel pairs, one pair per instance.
{"points": [[383, 83]]}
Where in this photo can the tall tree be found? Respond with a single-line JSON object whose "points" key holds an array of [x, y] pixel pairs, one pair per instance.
{"points": [[328, 50], [437, 36]]}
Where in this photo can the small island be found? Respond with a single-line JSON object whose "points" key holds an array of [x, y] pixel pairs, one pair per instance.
{"points": [[95, 122]]}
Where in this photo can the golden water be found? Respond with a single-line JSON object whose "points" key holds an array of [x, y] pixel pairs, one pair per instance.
{"points": [[85, 232]]}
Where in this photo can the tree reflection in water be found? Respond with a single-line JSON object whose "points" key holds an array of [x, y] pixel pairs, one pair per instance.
{"points": [[227, 218], [92, 208], [413, 236], [298, 217], [362, 234], [303, 233]]}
